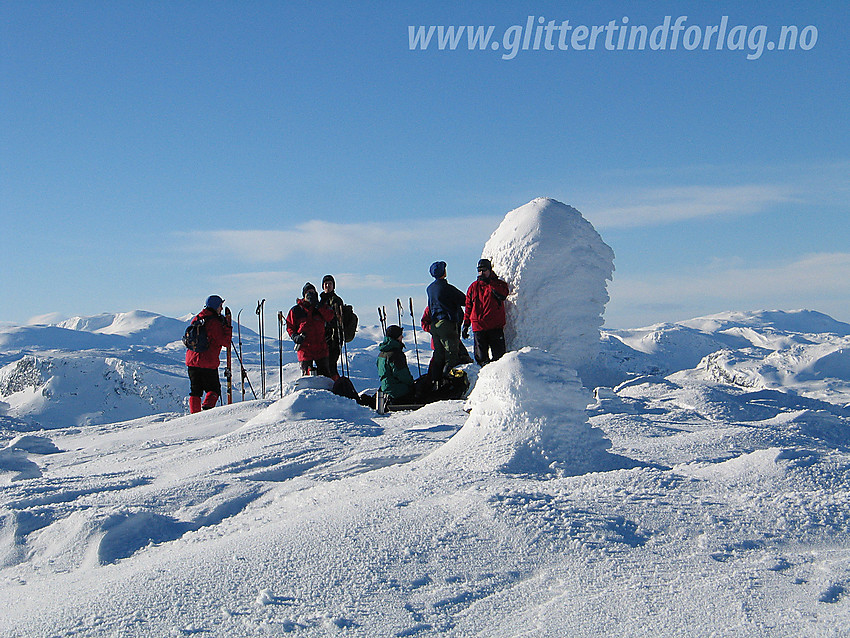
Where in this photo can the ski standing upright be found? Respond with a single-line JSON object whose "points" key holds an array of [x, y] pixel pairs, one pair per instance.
{"points": [[415, 344], [382, 317], [260, 311], [280, 323], [228, 371]]}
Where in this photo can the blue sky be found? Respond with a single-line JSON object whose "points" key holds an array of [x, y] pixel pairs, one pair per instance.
{"points": [[153, 153]]}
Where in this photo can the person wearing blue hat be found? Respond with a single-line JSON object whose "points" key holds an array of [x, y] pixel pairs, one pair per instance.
{"points": [[203, 363], [445, 305]]}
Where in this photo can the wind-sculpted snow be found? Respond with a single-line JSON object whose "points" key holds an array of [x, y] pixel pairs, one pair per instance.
{"points": [[557, 267], [527, 416], [709, 499]]}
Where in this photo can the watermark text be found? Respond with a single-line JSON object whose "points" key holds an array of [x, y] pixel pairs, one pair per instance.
{"points": [[540, 34]]}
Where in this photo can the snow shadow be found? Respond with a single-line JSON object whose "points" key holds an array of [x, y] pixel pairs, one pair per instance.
{"points": [[128, 532]]}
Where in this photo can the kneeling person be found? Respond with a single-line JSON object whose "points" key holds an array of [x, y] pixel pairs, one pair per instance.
{"points": [[396, 380]]}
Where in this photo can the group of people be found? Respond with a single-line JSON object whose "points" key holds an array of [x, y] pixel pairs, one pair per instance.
{"points": [[444, 317], [315, 325]]}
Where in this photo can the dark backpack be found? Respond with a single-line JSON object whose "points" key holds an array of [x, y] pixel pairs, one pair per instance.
{"points": [[195, 338], [349, 323], [345, 388], [452, 387]]}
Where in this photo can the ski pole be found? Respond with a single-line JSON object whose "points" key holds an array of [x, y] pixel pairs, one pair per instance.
{"points": [[345, 358], [260, 310], [415, 344], [337, 336], [280, 347], [228, 373], [382, 317], [244, 373], [400, 309], [239, 352]]}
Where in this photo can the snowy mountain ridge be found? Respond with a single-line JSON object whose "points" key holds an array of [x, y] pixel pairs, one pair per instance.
{"points": [[801, 350]]}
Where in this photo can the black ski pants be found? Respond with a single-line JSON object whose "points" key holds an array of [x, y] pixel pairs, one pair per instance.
{"points": [[203, 380], [333, 358], [489, 345], [322, 367]]}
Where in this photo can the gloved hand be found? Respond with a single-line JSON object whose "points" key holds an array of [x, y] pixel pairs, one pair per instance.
{"points": [[298, 339], [465, 333], [312, 298]]}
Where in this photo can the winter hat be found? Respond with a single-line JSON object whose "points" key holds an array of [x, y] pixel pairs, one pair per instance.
{"points": [[214, 302], [484, 264], [307, 286], [438, 269], [328, 278], [394, 331]]}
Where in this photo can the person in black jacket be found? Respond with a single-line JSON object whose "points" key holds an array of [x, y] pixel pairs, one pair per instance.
{"points": [[445, 304], [333, 329]]}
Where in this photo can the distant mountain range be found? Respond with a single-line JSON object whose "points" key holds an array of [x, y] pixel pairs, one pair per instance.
{"points": [[112, 367]]}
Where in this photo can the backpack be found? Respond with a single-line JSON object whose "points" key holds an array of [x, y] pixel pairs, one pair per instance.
{"points": [[345, 388], [349, 323], [195, 338], [452, 387]]}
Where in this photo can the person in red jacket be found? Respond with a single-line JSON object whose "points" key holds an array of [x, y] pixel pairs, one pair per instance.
{"points": [[203, 366], [305, 325], [485, 311]]}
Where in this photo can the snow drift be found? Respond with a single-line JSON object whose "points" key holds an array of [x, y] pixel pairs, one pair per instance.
{"points": [[527, 416], [313, 516]]}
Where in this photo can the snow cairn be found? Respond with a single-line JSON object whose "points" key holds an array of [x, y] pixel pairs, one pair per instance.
{"points": [[528, 409], [557, 267]]}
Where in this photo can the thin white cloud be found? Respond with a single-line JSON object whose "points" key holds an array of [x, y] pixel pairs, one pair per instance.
{"points": [[316, 238], [668, 205], [819, 281], [49, 319]]}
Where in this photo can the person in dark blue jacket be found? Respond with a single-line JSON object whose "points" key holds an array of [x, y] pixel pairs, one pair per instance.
{"points": [[445, 303]]}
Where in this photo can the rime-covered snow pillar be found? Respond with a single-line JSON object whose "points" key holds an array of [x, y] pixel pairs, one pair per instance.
{"points": [[557, 267], [527, 412]]}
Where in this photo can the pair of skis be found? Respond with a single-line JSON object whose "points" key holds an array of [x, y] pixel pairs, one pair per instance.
{"points": [[382, 317], [228, 370]]}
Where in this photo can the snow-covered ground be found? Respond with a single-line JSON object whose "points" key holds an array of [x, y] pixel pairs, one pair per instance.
{"points": [[701, 489]]}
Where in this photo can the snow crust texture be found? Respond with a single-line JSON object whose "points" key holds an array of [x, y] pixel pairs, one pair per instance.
{"points": [[557, 267], [312, 516]]}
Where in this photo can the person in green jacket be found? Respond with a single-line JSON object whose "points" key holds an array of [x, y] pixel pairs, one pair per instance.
{"points": [[396, 380]]}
